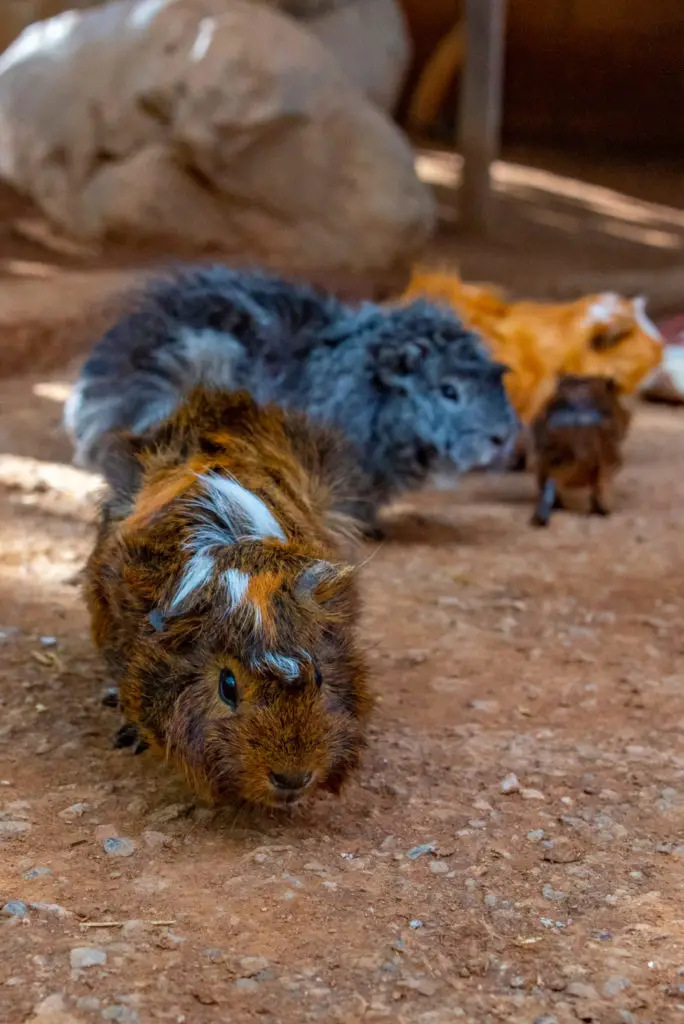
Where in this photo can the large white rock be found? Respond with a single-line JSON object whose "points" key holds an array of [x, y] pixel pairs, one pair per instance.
{"points": [[218, 123], [371, 42]]}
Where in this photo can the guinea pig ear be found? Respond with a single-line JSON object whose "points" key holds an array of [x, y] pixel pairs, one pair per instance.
{"points": [[323, 583], [397, 362]]}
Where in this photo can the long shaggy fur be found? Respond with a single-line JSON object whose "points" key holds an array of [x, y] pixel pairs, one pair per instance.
{"points": [[410, 386], [220, 555]]}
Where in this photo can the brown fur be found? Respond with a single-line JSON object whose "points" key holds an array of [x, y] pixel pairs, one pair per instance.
{"points": [[578, 438], [300, 602]]}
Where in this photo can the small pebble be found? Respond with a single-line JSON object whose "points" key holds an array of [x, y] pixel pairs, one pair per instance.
{"points": [[561, 851], [15, 908], [615, 985], [87, 956], [37, 873], [89, 1004], [13, 827], [120, 1013], [486, 706], [103, 832], [74, 812], [416, 924], [246, 985], [116, 847], [550, 893], [50, 908], [50, 1005], [581, 990], [510, 784], [418, 851], [48, 641], [251, 965], [517, 982], [153, 840], [439, 867], [532, 794]]}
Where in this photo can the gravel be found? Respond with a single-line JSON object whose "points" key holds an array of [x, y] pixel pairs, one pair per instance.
{"points": [[87, 956]]}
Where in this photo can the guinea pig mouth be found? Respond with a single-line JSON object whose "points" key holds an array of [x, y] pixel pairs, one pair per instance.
{"points": [[287, 789]]}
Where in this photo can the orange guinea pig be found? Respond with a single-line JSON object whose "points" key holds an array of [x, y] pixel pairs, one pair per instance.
{"points": [[578, 439], [219, 600]]}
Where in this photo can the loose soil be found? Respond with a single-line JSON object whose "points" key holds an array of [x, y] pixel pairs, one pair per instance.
{"points": [[425, 893]]}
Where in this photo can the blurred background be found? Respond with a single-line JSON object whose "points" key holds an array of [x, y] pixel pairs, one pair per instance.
{"points": [[326, 138]]}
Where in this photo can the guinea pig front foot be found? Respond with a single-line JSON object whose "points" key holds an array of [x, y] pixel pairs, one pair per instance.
{"points": [[540, 518], [128, 736], [597, 508]]}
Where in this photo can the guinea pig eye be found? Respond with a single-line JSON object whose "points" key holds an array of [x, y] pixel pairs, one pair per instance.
{"points": [[318, 677], [450, 391], [228, 691]]}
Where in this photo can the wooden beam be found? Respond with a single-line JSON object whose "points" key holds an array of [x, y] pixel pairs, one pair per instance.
{"points": [[479, 127]]}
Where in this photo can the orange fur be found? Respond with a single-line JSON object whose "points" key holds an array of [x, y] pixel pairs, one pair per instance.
{"points": [[597, 335], [271, 604]]}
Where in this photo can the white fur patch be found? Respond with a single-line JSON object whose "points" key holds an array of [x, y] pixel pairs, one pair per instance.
{"points": [[241, 513], [197, 575], [288, 668], [643, 319], [236, 584], [603, 310]]}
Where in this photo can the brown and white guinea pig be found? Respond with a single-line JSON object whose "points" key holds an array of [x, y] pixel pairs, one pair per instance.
{"points": [[219, 600], [577, 441]]}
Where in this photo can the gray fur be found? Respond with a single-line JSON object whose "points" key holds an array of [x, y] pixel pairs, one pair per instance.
{"points": [[376, 372]]}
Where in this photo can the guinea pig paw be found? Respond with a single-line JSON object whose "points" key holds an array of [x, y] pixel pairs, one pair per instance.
{"points": [[126, 736]]}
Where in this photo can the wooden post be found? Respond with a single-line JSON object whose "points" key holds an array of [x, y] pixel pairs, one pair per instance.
{"points": [[480, 108]]}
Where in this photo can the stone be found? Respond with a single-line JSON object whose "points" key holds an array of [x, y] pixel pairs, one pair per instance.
{"points": [[87, 956], [37, 873], [236, 131], [121, 1014], [14, 908], [74, 812], [13, 827], [370, 41], [153, 840], [561, 851], [247, 985], [581, 990], [615, 985], [510, 784], [251, 965], [118, 847]]}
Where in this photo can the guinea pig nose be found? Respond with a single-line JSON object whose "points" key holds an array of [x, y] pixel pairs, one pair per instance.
{"points": [[291, 781]]}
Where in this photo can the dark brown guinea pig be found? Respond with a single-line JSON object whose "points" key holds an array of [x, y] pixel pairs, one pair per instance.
{"points": [[577, 440], [218, 598]]}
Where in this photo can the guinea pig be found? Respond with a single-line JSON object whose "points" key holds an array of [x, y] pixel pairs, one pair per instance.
{"points": [[221, 603], [410, 386], [577, 442]]}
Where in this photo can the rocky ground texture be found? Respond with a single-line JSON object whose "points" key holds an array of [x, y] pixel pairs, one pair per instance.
{"points": [[512, 849]]}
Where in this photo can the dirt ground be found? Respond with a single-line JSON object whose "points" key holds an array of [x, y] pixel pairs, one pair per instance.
{"points": [[439, 887]]}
